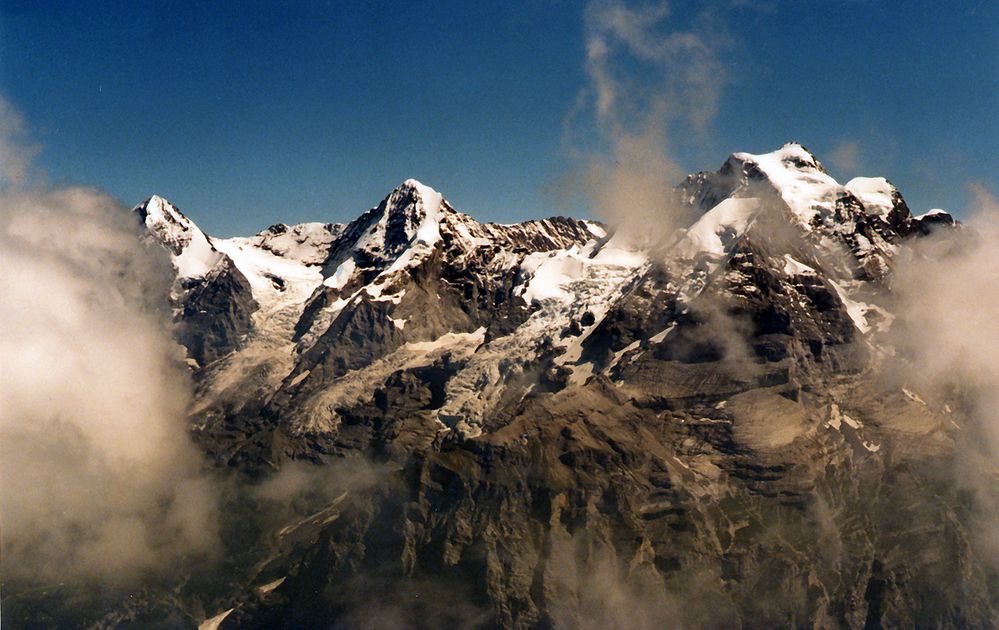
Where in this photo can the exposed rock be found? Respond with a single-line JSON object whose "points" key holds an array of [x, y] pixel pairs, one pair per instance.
{"points": [[568, 432]]}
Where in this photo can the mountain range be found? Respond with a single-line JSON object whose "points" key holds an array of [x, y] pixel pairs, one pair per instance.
{"points": [[559, 424]]}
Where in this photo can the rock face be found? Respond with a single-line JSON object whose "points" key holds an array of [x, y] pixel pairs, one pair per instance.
{"points": [[561, 429], [214, 313], [212, 298]]}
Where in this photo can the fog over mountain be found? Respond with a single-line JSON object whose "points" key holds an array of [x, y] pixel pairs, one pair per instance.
{"points": [[753, 396], [419, 416]]}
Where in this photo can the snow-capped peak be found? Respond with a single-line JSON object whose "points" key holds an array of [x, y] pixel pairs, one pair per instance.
{"points": [[417, 184], [795, 154], [802, 182], [432, 201], [798, 178], [410, 216], [192, 252], [792, 157], [165, 221]]}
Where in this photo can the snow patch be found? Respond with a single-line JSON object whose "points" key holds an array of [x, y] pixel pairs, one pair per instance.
{"points": [[874, 192], [342, 275], [795, 268], [623, 351], [471, 340], [836, 421], [719, 227], [429, 231], [931, 213], [914, 397], [660, 336], [308, 243], [270, 586], [298, 379], [612, 253], [319, 412], [549, 272], [214, 622], [261, 266], [580, 373], [798, 179], [856, 310], [596, 229], [375, 291]]}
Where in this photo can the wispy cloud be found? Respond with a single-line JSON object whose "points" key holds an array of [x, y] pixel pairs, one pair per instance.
{"points": [[16, 148], [845, 156], [649, 72], [645, 69]]}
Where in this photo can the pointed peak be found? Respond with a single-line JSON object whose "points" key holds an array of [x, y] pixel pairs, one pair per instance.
{"points": [[414, 198], [422, 190], [158, 209], [149, 205], [192, 251], [155, 203]]}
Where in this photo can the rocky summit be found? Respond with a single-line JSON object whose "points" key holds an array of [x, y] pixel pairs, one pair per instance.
{"points": [[437, 422]]}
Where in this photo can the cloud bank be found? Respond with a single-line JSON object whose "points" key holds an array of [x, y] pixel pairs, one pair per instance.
{"points": [[947, 335], [99, 476]]}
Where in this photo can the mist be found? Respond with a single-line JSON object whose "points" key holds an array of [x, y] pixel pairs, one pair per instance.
{"points": [[100, 480], [947, 340], [648, 75], [949, 302]]}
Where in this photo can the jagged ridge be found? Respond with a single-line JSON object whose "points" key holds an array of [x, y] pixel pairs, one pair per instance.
{"points": [[691, 427]]}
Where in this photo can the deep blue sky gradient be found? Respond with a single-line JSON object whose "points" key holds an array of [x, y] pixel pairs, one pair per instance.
{"points": [[250, 113]]}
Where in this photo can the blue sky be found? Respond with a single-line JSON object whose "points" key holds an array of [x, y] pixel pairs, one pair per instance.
{"points": [[259, 112]]}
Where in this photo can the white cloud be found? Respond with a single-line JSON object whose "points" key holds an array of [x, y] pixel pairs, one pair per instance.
{"points": [[99, 476]]}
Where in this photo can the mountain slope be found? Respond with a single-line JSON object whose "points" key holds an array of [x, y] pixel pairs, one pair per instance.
{"points": [[570, 430]]}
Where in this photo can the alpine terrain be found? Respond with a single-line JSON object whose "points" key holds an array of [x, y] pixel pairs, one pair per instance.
{"points": [[428, 421]]}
